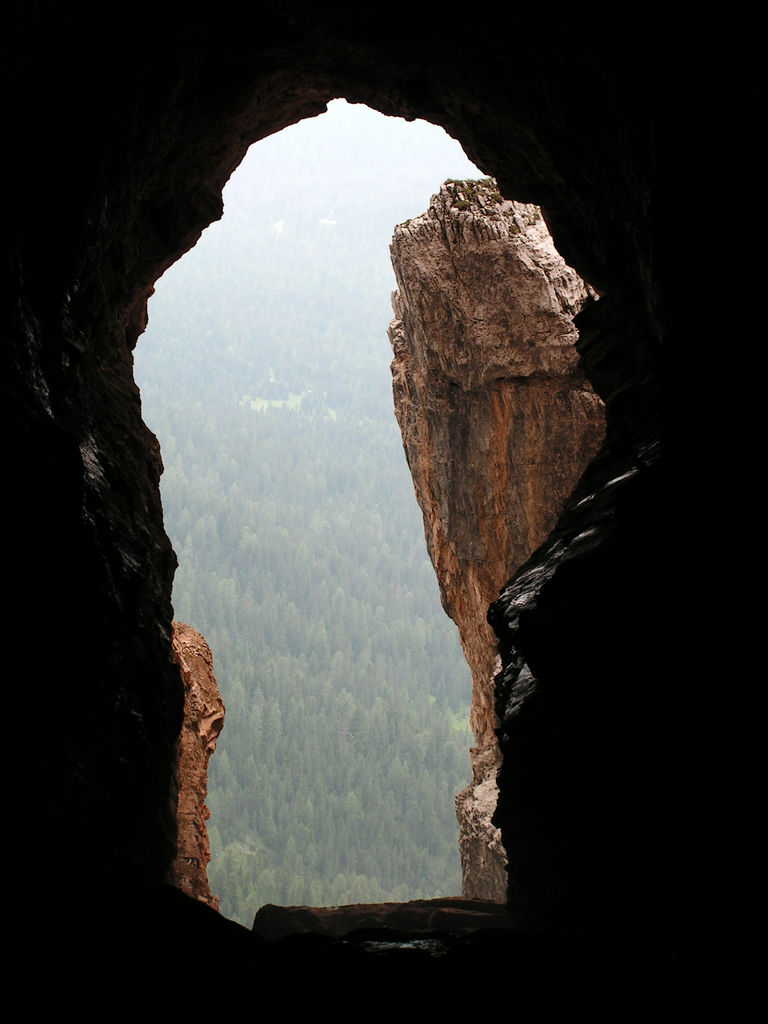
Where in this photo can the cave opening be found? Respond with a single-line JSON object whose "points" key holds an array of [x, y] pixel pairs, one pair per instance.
{"points": [[123, 139], [264, 372]]}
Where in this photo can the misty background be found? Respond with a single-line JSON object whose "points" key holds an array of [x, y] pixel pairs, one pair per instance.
{"points": [[264, 372]]}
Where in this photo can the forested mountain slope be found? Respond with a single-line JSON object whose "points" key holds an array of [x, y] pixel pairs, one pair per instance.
{"points": [[264, 372]]}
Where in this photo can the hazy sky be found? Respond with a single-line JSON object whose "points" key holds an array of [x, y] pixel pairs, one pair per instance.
{"points": [[352, 168], [351, 142], [336, 184]]}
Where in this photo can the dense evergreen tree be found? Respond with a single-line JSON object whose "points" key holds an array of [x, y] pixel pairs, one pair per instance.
{"points": [[264, 372]]}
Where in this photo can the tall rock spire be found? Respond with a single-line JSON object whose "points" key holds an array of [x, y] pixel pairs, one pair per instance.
{"points": [[498, 423]]}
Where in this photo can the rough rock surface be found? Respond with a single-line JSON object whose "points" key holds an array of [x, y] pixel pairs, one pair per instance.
{"points": [[203, 722], [451, 916], [498, 423]]}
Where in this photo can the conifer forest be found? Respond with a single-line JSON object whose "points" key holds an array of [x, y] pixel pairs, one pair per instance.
{"points": [[264, 372]]}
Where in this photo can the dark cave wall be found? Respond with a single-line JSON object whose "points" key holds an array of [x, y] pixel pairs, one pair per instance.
{"points": [[125, 122]]}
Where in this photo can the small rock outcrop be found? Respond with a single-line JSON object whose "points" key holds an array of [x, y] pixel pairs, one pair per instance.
{"points": [[451, 916], [498, 423], [203, 721]]}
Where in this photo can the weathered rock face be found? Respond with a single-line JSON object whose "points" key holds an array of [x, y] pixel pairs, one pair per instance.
{"points": [[498, 423], [203, 721]]}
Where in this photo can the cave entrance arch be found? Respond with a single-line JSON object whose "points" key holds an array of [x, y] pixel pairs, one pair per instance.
{"points": [[263, 319], [598, 123]]}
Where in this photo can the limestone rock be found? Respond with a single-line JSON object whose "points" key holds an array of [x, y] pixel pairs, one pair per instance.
{"points": [[498, 423], [203, 721]]}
